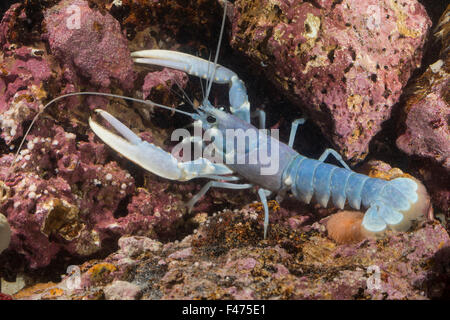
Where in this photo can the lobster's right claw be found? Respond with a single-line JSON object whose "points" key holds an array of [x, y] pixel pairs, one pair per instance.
{"points": [[151, 157]]}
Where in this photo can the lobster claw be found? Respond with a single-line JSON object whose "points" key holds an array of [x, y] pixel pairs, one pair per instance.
{"points": [[239, 104], [193, 65], [151, 157]]}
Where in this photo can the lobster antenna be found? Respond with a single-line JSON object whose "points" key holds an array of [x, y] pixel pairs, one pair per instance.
{"points": [[207, 79], [218, 49], [148, 102], [184, 95]]}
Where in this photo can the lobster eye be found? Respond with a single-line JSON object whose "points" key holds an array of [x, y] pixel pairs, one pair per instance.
{"points": [[211, 119]]}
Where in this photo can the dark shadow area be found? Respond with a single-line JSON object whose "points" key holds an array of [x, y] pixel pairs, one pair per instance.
{"points": [[437, 283], [4, 6]]}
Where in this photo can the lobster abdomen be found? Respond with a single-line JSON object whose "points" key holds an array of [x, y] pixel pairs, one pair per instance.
{"points": [[388, 201], [324, 181]]}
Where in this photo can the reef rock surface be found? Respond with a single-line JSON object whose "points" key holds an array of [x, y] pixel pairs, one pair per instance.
{"points": [[63, 194], [345, 61], [224, 260], [425, 130], [69, 198]]}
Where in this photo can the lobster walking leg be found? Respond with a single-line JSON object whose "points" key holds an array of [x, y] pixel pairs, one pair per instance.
{"points": [[215, 184], [337, 156], [262, 196], [261, 115], [294, 128]]}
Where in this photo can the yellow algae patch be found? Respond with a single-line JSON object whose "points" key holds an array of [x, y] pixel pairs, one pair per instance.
{"points": [[320, 61], [4, 192], [37, 289], [401, 22], [356, 133], [271, 204], [101, 269], [354, 102], [62, 219], [38, 92], [53, 293], [312, 27], [390, 175]]}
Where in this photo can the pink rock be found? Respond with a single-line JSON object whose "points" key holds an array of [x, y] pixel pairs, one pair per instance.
{"points": [[132, 246], [181, 254], [346, 61], [93, 46], [121, 290], [162, 210], [424, 131], [167, 78], [246, 264], [74, 207], [24, 72], [427, 132]]}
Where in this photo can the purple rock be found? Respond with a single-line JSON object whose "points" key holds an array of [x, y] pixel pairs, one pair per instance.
{"points": [[90, 44], [346, 61], [427, 111], [121, 290], [425, 131], [165, 79]]}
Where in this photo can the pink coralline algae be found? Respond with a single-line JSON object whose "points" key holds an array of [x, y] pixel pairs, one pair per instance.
{"points": [[167, 78], [346, 61], [69, 199], [63, 194], [212, 264], [425, 131], [72, 199], [90, 45], [24, 72], [427, 134]]}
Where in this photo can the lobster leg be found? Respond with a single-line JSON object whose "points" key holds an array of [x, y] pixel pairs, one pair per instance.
{"points": [[261, 115], [215, 184], [294, 128], [336, 155], [263, 198], [202, 68], [151, 157]]}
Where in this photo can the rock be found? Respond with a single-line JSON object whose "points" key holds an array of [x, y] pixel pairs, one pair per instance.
{"points": [[424, 132], [346, 61], [121, 290], [133, 246], [163, 81], [228, 260], [427, 133], [25, 69], [89, 44]]}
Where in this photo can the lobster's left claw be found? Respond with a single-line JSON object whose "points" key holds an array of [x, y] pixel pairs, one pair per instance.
{"points": [[151, 157], [202, 68], [193, 65]]}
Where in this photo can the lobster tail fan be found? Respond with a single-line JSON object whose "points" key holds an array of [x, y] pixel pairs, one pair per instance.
{"points": [[398, 204], [420, 205], [379, 216]]}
